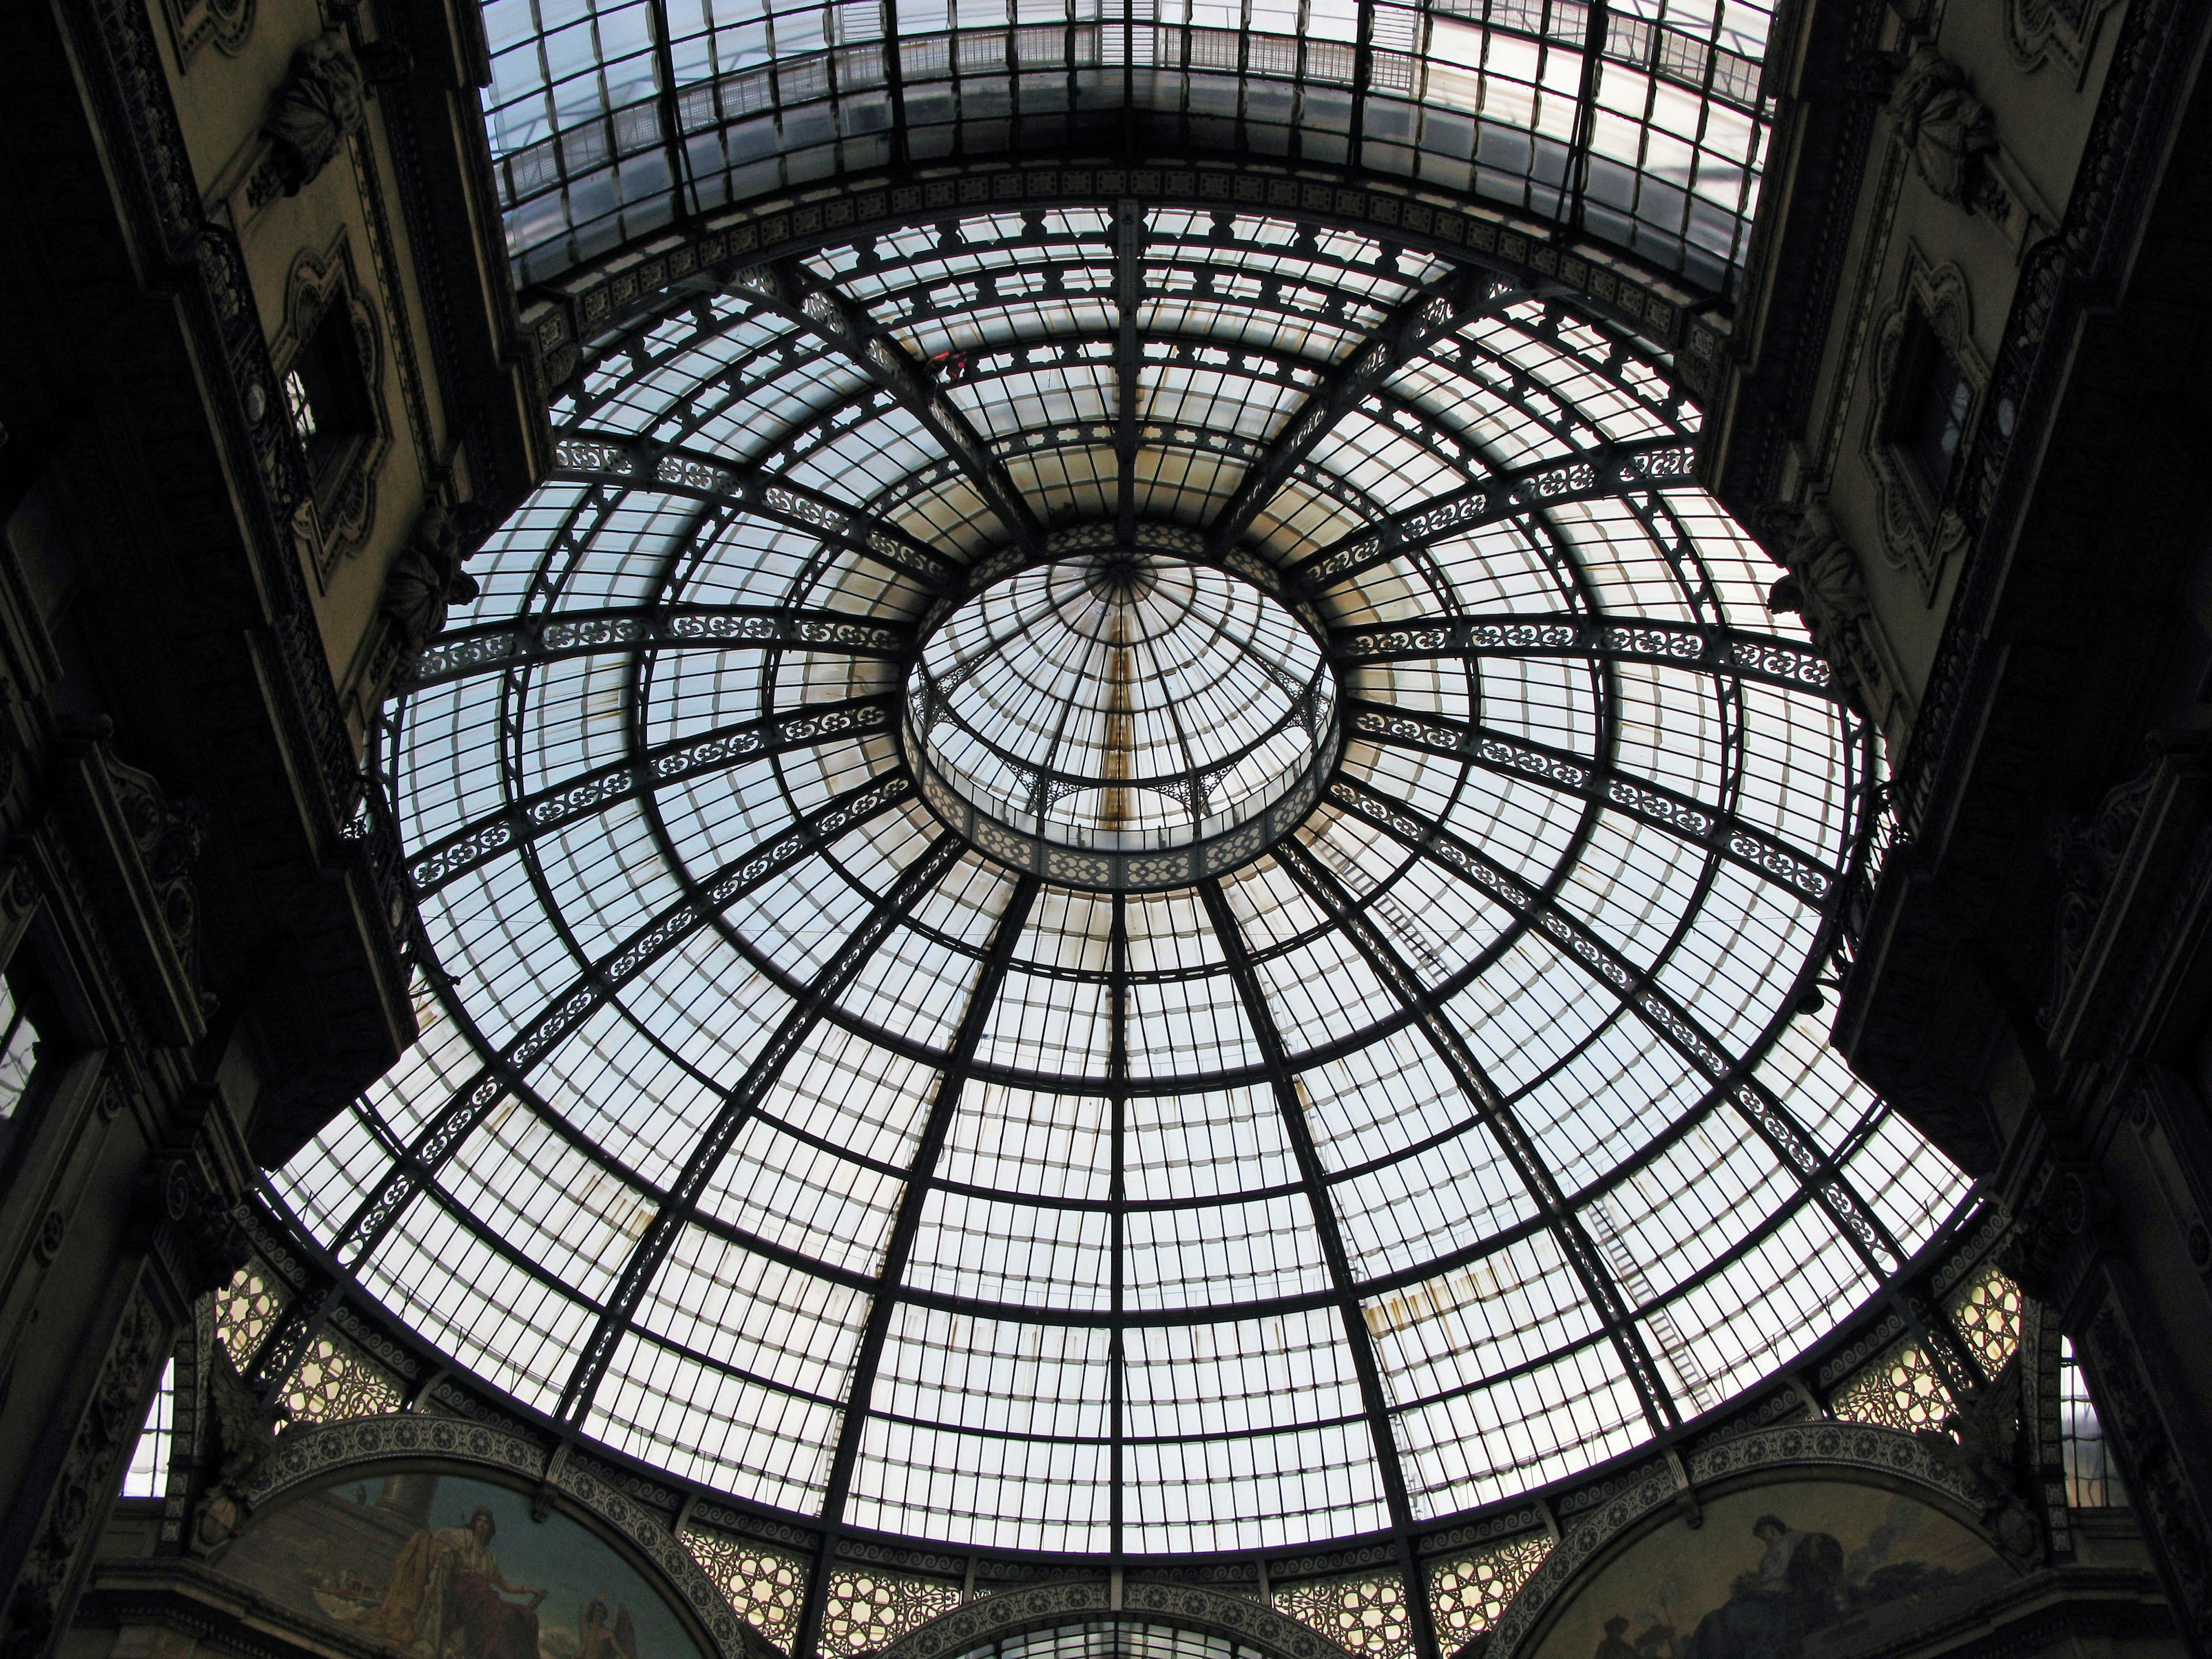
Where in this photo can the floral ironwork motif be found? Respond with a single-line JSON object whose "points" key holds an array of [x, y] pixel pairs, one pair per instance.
{"points": [[1987, 1310], [1899, 1389], [868, 1611], [1466, 1596], [334, 1382], [1366, 1616], [764, 1586], [246, 1309]]}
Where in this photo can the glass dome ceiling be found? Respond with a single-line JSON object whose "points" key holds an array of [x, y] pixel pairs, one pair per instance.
{"points": [[1445, 1133]]}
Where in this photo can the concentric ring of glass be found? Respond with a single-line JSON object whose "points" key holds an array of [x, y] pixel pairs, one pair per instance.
{"points": [[1122, 701]]}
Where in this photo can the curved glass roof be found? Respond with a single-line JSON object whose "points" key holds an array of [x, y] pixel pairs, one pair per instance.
{"points": [[1118, 698], [1637, 122], [1444, 1131]]}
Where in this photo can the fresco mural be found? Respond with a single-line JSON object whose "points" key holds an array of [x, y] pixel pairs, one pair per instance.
{"points": [[1798, 1570], [441, 1566]]}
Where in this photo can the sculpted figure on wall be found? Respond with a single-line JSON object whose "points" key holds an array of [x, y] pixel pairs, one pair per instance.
{"points": [[1825, 588], [1948, 131], [319, 107], [427, 579]]}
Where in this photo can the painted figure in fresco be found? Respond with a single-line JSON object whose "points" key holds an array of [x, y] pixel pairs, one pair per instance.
{"points": [[1616, 1644], [597, 1638], [448, 1598], [1793, 1591]]}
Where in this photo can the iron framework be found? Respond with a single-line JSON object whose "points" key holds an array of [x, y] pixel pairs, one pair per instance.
{"points": [[771, 1132]]}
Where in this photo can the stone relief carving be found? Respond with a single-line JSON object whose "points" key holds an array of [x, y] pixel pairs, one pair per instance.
{"points": [[426, 578], [168, 836], [246, 1431], [1952, 139], [1981, 1442], [1920, 535], [2159, 1475], [1948, 131], [98, 1442], [2063, 32], [320, 105], [1824, 585], [2088, 850], [223, 24]]}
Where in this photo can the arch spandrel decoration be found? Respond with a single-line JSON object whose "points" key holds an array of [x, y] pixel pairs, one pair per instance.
{"points": [[991, 1618], [324, 1456]]}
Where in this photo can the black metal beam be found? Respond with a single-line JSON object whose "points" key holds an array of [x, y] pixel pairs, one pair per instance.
{"points": [[550, 636], [1469, 293], [1703, 646], [1504, 1126], [792, 291], [1373, 1398], [524, 820], [1128, 361], [899, 1248], [444, 1131], [1117, 1195], [737, 1105], [1730, 1076], [1661, 462], [585, 455], [1696, 822]]}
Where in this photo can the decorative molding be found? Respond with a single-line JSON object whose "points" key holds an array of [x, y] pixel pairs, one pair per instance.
{"points": [[2160, 1477], [1922, 533], [88, 1474], [2058, 32], [193, 24], [334, 513]]}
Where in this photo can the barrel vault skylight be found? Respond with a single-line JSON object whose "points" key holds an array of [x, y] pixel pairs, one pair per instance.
{"points": [[1638, 123]]}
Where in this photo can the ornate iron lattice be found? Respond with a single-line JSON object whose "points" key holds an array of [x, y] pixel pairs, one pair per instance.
{"points": [[1899, 1389], [1366, 1616], [1466, 1594], [245, 1309], [1987, 1310], [777, 1126], [865, 1611], [765, 1587], [335, 1380]]}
